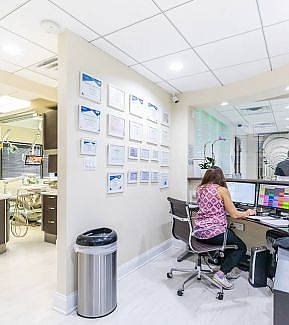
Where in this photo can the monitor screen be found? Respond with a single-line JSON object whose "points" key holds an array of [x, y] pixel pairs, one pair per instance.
{"points": [[274, 196], [242, 193], [33, 160]]}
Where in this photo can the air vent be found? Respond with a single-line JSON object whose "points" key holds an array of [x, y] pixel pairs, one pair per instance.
{"points": [[255, 110], [265, 128], [50, 64]]}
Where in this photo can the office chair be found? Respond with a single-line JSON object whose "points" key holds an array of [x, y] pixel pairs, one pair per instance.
{"points": [[182, 229]]}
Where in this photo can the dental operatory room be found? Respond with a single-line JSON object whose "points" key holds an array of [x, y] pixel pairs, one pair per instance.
{"points": [[144, 174]]}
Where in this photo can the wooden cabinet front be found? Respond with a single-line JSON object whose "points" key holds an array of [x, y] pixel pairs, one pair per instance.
{"points": [[50, 130], [49, 214]]}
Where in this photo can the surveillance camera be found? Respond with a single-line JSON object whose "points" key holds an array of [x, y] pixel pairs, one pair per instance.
{"points": [[175, 99], [239, 125]]}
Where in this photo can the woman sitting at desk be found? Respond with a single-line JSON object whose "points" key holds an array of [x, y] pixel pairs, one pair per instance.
{"points": [[214, 201]]}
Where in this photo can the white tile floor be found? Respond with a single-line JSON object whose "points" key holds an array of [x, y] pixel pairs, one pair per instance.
{"points": [[27, 287]]}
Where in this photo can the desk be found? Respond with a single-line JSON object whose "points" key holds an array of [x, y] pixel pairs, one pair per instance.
{"points": [[266, 223]]}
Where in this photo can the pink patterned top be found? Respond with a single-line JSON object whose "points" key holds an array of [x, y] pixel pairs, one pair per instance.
{"points": [[211, 219]]}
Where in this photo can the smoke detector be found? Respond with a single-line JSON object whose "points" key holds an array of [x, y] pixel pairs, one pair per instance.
{"points": [[50, 26]]}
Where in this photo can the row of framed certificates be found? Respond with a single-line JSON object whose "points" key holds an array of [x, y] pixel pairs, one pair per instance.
{"points": [[116, 180], [91, 87]]}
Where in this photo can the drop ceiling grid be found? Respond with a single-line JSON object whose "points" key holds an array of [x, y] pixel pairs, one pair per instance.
{"points": [[33, 53], [197, 20], [273, 11], [149, 39], [114, 51], [191, 65], [108, 16], [195, 82], [235, 50], [275, 38], [9, 6], [242, 71], [36, 11]]}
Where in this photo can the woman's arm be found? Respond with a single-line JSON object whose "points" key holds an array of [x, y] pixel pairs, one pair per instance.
{"points": [[229, 205]]}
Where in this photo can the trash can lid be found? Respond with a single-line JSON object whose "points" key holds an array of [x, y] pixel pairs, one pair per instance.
{"points": [[97, 237]]}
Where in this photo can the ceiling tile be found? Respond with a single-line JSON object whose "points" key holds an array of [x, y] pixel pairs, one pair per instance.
{"points": [[10, 67], [8, 6], [146, 73], [242, 71], [166, 4], [109, 15], [203, 21], [273, 11], [37, 77], [26, 23], [149, 39], [234, 50], [275, 38], [195, 82], [113, 51], [31, 53], [190, 61], [279, 60], [168, 87]]}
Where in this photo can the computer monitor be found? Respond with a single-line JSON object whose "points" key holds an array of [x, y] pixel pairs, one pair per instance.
{"points": [[242, 193], [273, 196], [33, 160]]}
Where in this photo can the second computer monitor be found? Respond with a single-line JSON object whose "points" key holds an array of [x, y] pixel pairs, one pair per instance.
{"points": [[242, 193], [274, 196]]}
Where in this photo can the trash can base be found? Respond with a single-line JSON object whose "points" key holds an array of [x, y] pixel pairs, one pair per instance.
{"points": [[97, 316]]}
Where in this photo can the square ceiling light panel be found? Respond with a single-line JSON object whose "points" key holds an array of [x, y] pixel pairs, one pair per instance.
{"points": [[9, 104], [105, 17]]}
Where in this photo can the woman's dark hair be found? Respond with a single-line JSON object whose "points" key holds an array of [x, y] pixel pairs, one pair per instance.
{"points": [[214, 175]]}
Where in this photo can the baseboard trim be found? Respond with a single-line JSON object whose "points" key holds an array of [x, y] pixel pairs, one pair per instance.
{"points": [[142, 259], [67, 304]]}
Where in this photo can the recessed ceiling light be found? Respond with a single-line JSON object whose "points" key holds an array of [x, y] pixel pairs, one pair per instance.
{"points": [[287, 118], [287, 127], [176, 66], [11, 49], [10, 104], [287, 106], [287, 88], [224, 103]]}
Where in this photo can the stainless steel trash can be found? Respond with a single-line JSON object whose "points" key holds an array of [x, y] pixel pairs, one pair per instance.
{"points": [[97, 275]]}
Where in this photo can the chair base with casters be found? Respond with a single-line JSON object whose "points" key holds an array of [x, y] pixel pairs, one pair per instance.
{"points": [[200, 274], [182, 229]]}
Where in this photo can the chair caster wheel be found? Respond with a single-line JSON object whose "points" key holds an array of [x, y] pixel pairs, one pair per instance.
{"points": [[169, 275], [220, 296], [180, 292]]}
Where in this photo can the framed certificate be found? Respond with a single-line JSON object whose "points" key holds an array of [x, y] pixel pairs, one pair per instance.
{"points": [[116, 98], [115, 126], [90, 87], [115, 182], [89, 119], [115, 155], [132, 177]]}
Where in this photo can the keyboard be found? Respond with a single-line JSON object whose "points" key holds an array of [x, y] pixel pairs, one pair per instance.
{"points": [[270, 220]]}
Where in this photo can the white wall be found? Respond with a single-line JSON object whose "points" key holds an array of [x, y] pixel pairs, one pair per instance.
{"points": [[139, 214]]}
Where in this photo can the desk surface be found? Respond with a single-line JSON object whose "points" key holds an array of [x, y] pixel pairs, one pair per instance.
{"points": [[267, 221]]}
